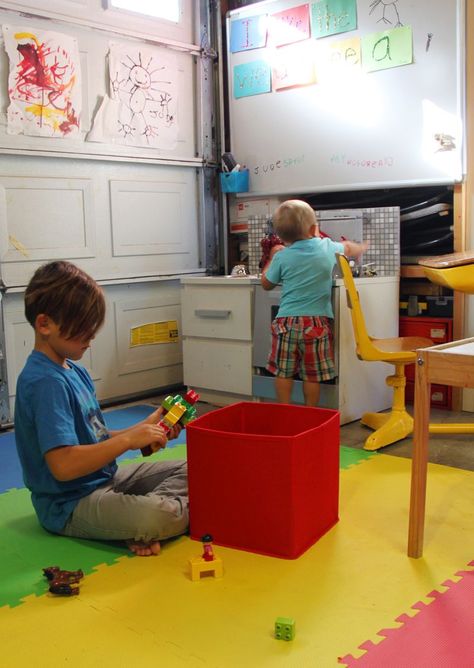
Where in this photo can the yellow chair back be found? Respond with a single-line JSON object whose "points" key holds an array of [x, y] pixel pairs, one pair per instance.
{"points": [[364, 348]]}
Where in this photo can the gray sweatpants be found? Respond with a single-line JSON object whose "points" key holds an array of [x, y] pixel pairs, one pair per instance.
{"points": [[144, 502]]}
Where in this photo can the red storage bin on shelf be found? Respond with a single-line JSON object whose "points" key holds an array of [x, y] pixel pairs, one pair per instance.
{"points": [[264, 477], [439, 330]]}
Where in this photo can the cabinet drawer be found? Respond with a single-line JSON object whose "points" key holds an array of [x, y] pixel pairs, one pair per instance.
{"points": [[218, 312], [218, 365]]}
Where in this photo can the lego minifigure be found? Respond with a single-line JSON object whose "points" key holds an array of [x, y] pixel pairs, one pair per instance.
{"points": [[207, 563], [208, 553]]}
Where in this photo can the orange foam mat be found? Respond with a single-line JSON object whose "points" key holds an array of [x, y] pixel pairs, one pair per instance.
{"points": [[355, 581]]}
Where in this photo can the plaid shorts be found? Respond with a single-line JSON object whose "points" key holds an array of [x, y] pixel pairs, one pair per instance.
{"points": [[302, 345]]}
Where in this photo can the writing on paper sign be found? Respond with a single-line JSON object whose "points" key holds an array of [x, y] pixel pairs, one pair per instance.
{"points": [[283, 163]]}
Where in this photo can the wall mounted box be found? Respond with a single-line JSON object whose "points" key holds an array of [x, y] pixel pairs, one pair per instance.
{"points": [[264, 477], [235, 182]]}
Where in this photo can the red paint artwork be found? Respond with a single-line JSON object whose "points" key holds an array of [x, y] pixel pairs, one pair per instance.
{"points": [[44, 83]]}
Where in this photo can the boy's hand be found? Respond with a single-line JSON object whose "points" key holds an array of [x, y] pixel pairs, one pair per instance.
{"points": [[174, 431], [156, 416], [144, 434]]}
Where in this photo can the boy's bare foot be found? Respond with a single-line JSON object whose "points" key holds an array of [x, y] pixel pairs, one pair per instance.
{"points": [[145, 549]]}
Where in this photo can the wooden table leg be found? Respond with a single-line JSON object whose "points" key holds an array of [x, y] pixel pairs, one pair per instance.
{"points": [[419, 458]]}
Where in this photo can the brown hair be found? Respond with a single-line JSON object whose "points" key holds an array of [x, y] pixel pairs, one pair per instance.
{"points": [[69, 296], [293, 220]]}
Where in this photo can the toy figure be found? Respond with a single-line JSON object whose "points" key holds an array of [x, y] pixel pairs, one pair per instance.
{"points": [[55, 574], [60, 581], [208, 553], [179, 409], [207, 563], [63, 589]]}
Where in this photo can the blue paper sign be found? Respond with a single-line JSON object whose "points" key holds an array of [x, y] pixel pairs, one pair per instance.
{"points": [[252, 78], [250, 33]]}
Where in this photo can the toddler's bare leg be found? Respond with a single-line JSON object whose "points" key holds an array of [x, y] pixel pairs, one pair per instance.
{"points": [[311, 393], [283, 387]]}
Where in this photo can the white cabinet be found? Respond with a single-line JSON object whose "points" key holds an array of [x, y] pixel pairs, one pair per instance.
{"points": [[217, 318], [226, 339]]}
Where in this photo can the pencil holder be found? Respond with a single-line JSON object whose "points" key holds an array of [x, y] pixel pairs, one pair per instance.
{"points": [[235, 182]]}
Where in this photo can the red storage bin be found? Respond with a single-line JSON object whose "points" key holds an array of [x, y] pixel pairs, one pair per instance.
{"points": [[264, 477], [441, 395], [439, 330]]}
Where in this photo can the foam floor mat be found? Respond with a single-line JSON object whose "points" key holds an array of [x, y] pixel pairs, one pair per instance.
{"points": [[353, 583], [120, 418]]}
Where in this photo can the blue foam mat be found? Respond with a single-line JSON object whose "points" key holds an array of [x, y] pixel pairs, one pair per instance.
{"points": [[120, 418]]}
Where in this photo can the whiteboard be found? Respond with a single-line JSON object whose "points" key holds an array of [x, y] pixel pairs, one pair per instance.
{"points": [[353, 128]]}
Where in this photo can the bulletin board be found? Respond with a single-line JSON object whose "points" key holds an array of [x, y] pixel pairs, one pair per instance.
{"points": [[346, 94]]}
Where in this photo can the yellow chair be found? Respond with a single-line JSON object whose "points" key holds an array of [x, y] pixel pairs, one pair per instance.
{"points": [[455, 271], [399, 351]]}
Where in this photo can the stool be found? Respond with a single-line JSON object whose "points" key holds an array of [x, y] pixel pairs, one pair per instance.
{"points": [[198, 566]]}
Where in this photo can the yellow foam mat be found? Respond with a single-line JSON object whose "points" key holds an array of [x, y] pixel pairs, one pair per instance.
{"points": [[348, 586]]}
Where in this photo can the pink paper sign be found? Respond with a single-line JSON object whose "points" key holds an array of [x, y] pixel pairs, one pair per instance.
{"points": [[290, 25]]}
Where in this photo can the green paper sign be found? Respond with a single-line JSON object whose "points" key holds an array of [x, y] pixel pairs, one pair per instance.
{"points": [[391, 48], [333, 17]]}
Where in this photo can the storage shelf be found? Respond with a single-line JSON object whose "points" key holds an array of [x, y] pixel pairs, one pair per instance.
{"points": [[411, 271]]}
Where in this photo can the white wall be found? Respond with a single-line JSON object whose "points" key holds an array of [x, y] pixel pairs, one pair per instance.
{"points": [[127, 215]]}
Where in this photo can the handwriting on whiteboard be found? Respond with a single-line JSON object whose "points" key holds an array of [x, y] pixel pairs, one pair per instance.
{"points": [[276, 165], [367, 163]]}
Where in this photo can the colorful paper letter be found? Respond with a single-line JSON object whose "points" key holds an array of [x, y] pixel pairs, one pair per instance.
{"points": [[252, 78], [332, 17], [249, 33], [288, 26], [391, 48]]}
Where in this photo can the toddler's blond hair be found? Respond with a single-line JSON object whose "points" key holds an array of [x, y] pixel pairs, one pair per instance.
{"points": [[293, 220]]}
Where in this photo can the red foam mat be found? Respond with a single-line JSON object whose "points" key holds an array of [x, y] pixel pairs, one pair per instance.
{"points": [[441, 635]]}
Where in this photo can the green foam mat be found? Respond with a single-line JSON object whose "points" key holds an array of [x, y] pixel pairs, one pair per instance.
{"points": [[352, 456], [26, 548]]}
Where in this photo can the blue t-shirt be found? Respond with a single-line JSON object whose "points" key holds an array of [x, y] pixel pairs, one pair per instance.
{"points": [[55, 406], [305, 271]]}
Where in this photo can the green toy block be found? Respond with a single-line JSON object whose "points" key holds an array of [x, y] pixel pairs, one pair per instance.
{"points": [[284, 628]]}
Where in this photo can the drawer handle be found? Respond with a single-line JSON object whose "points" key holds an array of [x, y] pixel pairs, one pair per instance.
{"points": [[212, 313]]}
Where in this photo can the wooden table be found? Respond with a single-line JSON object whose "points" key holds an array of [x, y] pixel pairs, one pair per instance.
{"points": [[446, 364]]}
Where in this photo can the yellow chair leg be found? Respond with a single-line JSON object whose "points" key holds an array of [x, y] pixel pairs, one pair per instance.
{"points": [[397, 425], [393, 426], [452, 428]]}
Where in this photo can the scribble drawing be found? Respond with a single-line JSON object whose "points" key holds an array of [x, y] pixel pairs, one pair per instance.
{"points": [[389, 7], [143, 82], [44, 83]]}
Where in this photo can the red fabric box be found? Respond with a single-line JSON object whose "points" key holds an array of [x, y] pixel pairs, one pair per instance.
{"points": [[264, 477]]}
